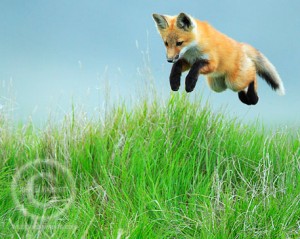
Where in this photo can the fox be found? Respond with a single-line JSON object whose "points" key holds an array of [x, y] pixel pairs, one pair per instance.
{"points": [[196, 46]]}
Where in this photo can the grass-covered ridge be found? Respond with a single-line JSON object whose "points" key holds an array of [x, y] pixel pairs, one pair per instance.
{"points": [[155, 171]]}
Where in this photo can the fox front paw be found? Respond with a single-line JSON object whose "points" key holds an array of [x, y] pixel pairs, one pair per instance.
{"points": [[175, 76], [192, 77], [175, 86], [190, 83]]}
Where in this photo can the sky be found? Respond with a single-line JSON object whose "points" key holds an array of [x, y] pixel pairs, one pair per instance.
{"points": [[57, 53]]}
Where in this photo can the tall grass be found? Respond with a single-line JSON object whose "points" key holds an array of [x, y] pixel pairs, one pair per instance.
{"points": [[172, 170]]}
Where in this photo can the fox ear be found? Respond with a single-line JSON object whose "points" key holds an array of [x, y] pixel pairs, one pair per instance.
{"points": [[184, 22], [160, 21]]}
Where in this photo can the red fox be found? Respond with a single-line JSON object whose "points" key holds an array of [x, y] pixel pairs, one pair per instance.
{"points": [[196, 46]]}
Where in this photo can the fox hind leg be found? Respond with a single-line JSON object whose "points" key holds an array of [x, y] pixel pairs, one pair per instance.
{"points": [[244, 98], [252, 94], [250, 97]]}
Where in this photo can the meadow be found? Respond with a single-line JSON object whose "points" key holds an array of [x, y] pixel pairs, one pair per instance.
{"points": [[171, 169]]}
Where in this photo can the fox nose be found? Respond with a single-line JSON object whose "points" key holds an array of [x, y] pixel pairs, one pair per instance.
{"points": [[174, 59]]}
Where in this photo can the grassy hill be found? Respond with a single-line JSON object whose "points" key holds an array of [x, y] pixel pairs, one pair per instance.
{"points": [[175, 170]]}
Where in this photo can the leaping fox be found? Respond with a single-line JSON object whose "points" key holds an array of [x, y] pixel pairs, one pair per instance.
{"points": [[196, 46]]}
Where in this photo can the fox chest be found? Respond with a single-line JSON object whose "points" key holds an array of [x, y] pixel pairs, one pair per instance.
{"points": [[193, 54]]}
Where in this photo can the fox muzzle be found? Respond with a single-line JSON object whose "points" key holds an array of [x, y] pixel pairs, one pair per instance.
{"points": [[173, 59]]}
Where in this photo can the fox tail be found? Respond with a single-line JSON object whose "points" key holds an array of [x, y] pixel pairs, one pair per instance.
{"points": [[265, 69]]}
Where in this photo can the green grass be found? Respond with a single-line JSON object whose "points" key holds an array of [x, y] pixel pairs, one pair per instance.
{"points": [[175, 170]]}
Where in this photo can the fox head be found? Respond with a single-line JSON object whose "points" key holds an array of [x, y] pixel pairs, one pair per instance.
{"points": [[177, 33]]}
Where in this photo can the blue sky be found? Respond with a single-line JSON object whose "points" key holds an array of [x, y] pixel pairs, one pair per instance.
{"points": [[55, 52]]}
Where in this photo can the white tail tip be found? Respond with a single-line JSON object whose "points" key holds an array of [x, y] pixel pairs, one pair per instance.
{"points": [[281, 90]]}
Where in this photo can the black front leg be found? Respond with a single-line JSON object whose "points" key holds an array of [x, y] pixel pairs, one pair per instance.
{"points": [[175, 75], [192, 77]]}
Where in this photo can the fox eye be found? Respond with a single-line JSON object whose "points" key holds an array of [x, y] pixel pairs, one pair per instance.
{"points": [[166, 43], [179, 43]]}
